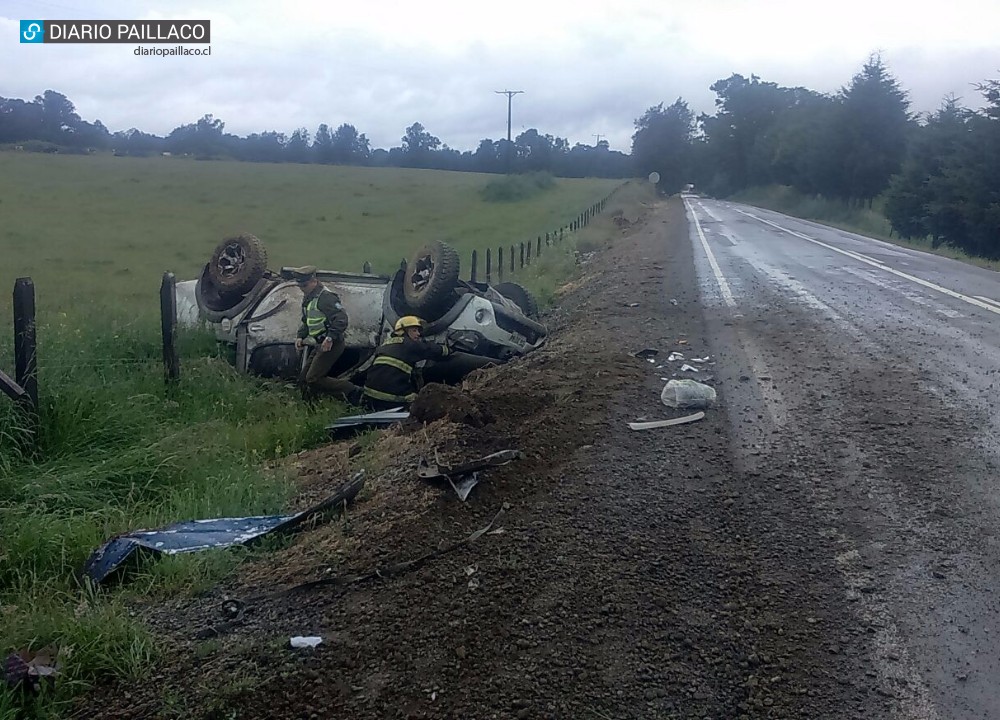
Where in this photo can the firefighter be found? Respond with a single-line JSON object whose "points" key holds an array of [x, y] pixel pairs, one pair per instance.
{"points": [[324, 320], [391, 381]]}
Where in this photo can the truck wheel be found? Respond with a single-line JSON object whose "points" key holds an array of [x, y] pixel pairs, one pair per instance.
{"points": [[521, 297], [430, 280], [238, 264]]}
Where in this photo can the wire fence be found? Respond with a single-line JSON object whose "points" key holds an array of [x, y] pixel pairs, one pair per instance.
{"points": [[510, 260]]}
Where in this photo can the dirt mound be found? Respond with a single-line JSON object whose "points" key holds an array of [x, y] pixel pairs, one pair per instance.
{"points": [[437, 402]]}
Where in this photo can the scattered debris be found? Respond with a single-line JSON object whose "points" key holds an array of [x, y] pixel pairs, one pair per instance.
{"points": [[31, 668], [666, 423], [346, 426], [632, 304], [675, 356], [682, 342], [465, 476], [647, 354], [310, 641], [687, 394], [701, 360], [196, 535], [688, 368], [673, 301]]}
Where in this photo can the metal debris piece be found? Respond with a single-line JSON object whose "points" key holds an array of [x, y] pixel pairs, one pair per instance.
{"points": [[346, 426], [196, 535], [465, 476], [666, 423], [464, 485], [31, 668]]}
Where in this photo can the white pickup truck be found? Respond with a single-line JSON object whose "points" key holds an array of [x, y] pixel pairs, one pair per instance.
{"points": [[258, 311]]}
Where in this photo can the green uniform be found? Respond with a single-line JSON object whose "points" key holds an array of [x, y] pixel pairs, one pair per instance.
{"points": [[323, 316]]}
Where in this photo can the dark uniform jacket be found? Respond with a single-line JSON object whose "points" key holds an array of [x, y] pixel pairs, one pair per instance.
{"points": [[390, 377], [322, 315]]}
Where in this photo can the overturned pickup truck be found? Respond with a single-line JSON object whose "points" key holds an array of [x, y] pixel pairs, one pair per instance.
{"points": [[257, 311]]}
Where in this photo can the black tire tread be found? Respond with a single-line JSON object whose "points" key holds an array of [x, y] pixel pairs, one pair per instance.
{"points": [[521, 297], [252, 272]]}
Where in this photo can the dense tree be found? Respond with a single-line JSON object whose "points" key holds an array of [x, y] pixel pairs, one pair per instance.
{"points": [[323, 144], [350, 147], [418, 144], [297, 149], [662, 144], [874, 126]]}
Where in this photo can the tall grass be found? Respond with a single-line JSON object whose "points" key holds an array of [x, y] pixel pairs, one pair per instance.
{"points": [[116, 449]]}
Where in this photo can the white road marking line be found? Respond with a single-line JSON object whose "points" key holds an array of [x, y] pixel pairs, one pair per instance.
{"points": [[727, 294], [913, 296], [986, 299], [710, 213], [881, 266]]}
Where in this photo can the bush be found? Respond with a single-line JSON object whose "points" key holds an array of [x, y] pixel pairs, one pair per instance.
{"points": [[513, 188]]}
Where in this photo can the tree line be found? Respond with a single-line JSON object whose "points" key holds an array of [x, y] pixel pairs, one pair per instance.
{"points": [[51, 123], [935, 176]]}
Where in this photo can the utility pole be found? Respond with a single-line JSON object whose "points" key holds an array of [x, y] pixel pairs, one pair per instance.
{"points": [[599, 139], [510, 97]]}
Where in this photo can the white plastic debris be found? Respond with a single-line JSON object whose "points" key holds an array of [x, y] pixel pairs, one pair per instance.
{"points": [[687, 394], [675, 356], [688, 368], [702, 360], [306, 641], [666, 423]]}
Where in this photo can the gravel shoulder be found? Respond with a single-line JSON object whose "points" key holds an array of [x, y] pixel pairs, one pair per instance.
{"points": [[694, 571]]}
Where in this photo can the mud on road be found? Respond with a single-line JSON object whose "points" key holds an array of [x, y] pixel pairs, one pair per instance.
{"points": [[694, 571]]}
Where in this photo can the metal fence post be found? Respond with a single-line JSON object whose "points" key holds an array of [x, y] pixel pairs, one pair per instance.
{"points": [[168, 325]]}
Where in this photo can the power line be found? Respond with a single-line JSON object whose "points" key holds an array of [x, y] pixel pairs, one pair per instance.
{"points": [[510, 97]]}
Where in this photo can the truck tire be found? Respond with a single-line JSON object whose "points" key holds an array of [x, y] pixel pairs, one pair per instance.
{"points": [[238, 264], [430, 280], [521, 297]]}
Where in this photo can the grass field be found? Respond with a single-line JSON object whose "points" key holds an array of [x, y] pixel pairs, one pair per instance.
{"points": [[116, 449], [101, 230]]}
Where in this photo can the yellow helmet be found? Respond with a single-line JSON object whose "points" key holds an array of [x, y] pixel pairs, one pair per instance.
{"points": [[408, 321]]}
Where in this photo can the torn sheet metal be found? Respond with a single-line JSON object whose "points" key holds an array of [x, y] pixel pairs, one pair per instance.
{"points": [[346, 426], [196, 535], [465, 476]]}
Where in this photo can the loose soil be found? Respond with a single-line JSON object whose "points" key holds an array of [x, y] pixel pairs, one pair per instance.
{"points": [[626, 574]]}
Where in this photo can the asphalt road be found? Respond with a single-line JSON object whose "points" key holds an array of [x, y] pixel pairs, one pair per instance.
{"points": [[862, 376]]}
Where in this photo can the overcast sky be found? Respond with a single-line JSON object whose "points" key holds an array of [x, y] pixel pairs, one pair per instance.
{"points": [[586, 68]]}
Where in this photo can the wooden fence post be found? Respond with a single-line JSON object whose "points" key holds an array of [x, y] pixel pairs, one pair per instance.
{"points": [[528, 261], [489, 266], [366, 268], [538, 246], [512, 258], [25, 359], [522, 254], [475, 262], [168, 324], [500, 263], [547, 239]]}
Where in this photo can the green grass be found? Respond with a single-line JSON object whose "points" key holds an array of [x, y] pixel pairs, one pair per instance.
{"points": [[862, 220], [116, 449], [101, 230]]}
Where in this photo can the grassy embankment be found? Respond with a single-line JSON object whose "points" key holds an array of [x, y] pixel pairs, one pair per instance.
{"points": [[862, 220], [117, 451]]}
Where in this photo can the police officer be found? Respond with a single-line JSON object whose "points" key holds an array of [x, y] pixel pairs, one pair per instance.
{"points": [[325, 321], [390, 381]]}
